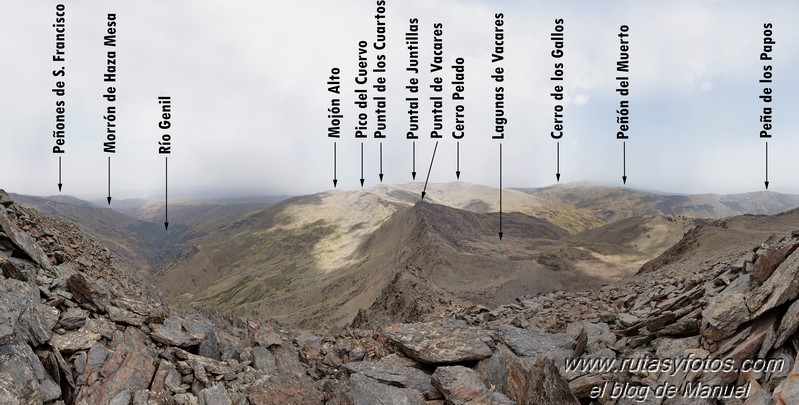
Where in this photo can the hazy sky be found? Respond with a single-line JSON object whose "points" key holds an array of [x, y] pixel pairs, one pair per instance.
{"points": [[247, 81]]}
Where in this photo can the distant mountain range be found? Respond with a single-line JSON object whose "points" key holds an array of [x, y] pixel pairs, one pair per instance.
{"points": [[320, 259]]}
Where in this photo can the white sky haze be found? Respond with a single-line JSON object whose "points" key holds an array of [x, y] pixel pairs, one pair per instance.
{"points": [[247, 81]]}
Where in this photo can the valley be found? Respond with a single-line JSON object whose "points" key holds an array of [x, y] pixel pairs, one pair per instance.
{"points": [[356, 297], [317, 261]]}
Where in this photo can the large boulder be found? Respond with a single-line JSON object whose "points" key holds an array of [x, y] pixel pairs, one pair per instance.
{"points": [[724, 315], [23, 240], [171, 333], [215, 395], [462, 385], [769, 261], [132, 370], [87, 293], [284, 389], [444, 341], [391, 370], [781, 287], [21, 373], [123, 316], [15, 297], [366, 390], [598, 335], [73, 341], [546, 386], [525, 380], [537, 343], [5, 200]]}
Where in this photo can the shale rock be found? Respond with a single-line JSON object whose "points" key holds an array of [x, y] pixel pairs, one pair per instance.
{"points": [[173, 335], [440, 342], [369, 391], [391, 370], [73, 341], [537, 343], [461, 385]]}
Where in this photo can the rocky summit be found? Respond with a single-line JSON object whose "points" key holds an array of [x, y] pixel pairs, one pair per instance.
{"points": [[76, 330]]}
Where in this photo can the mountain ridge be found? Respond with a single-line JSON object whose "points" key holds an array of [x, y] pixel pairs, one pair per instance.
{"points": [[77, 329], [314, 243]]}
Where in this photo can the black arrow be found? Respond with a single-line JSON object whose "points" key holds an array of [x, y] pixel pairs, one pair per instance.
{"points": [[557, 174], [361, 164], [424, 191], [766, 165], [458, 160], [624, 159], [335, 180], [381, 162], [413, 173], [109, 180], [166, 193], [500, 191], [59, 174]]}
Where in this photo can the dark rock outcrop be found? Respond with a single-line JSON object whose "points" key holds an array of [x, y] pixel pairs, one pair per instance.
{"points": [[440, 342]]}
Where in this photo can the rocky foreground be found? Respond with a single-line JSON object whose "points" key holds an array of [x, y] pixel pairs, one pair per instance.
{"points": [[73, 330]]}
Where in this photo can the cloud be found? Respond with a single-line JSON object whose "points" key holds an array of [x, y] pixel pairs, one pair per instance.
{"points": [[581, 99]]}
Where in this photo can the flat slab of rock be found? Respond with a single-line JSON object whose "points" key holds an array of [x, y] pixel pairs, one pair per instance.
{"points": [[368, 391], [173, 337], [283, 389], [73, 341], [537, 343], [628, 319], [120, 315], [462, 385], [152, 313], [390, 370], [440, 342], [213, 366]]}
